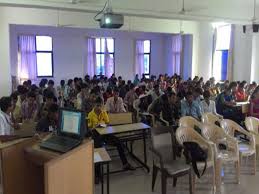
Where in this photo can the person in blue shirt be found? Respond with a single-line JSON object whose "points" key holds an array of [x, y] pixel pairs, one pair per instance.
{"points": [[189, 107]]}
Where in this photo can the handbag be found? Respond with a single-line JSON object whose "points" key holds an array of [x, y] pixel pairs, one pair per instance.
{"points": [[193, 154]]}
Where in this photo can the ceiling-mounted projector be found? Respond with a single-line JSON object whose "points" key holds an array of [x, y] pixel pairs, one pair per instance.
{"points": [[109, 19]]}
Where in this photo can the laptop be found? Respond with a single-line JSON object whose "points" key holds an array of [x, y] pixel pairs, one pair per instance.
{"points": [[70, 133]]}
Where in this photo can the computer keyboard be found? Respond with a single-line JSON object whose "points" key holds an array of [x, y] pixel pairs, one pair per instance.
{"points": [[60, 144]]}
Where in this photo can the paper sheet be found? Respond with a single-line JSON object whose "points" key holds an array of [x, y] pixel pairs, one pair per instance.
{"points": [[97, 157]]}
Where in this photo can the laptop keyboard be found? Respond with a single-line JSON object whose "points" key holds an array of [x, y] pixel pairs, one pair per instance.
{"points": [[60, 144]]}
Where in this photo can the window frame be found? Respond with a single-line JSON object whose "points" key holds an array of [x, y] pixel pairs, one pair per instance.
{"points": [[103, 53], [149, 54], [49, 52]]}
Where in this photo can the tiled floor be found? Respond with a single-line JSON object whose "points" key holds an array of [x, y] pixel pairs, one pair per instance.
{"points": [[139, 182]]}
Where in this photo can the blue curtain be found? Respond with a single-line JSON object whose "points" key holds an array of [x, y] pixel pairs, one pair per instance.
{"points": [[224, 64]]}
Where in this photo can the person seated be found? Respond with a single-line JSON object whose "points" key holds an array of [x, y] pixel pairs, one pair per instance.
{"points": [[49, 122], [136, 80], [189, 107], [226, 105], [16, 112], [6, 107], [29, 107], [208, 105], [99, 117], [166, 104], [115, 104], [130, 97], [107, 94], [254, 104], [240, 94], [197, 96], [49, 100], [82, 96], [156, 93], [51, 88]]}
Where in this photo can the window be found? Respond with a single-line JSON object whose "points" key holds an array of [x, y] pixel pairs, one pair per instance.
{"points": [[44, 56], [147, 52], [220, 58], [104, 56]]}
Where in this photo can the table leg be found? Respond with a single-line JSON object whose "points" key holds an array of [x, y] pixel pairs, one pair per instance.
{"points": [[102, 174], [108, 178], [145, 147]]}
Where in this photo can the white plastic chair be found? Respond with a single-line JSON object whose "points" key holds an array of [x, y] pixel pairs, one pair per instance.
{"points": [[217, 135], [252, 125], [210, 118], [188, 121], [188, 134], [245, 150]]}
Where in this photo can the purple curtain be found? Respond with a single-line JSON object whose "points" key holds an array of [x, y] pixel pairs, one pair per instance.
{"points": [[177, 53], [139, 57], [26, 58], [91, 56], [108, 61]]}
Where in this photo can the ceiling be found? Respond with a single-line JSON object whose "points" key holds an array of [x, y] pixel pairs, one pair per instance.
{"points": [[236, 11]]}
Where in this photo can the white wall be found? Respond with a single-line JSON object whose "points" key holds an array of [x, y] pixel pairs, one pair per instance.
{"points": [[69, 49], [205, 50], [242, 53], [33, 16]]}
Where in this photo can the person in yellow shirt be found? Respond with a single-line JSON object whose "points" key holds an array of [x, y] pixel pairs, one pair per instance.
{"points": [[99, 117]]}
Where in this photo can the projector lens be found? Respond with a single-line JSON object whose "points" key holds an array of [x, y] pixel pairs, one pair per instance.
{"points": [[107, 20]]}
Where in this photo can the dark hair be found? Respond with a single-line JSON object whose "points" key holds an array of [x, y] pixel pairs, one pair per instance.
{"points": [[34, 88], [51, 82], [5, 103], [156, 86], [83, 86], [31, 95], [198, 90], [14, 96], [53, 108], [62, 82], [70, 81], [206, 94], [116, 90], [22, 90], [170, 94], [232, 84], [29, 82], [76, 79], [132, 86], [188, 94], [49, 94], [98, 100]]}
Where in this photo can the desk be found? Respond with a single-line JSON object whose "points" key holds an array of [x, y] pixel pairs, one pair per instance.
{"points": [[102, 157], [55, 173], [244, 106], [127, 133]]}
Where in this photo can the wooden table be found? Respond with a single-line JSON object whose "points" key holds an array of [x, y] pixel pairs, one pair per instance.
{"points": [[129, 133], [102, 157], [244, 106], [56, 173]]}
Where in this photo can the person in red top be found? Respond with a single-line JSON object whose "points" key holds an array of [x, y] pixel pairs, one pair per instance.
{"points": [[254, 106], [240, 94]]}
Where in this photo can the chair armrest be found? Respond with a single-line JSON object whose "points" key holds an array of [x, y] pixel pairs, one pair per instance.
{"points": [[148, 115], [164, 121]]}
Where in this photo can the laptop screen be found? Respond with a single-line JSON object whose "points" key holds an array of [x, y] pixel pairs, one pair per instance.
{"points": [[71, 122]]}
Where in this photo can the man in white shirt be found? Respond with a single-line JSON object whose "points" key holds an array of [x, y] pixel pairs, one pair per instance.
{"points": [[115, 104], [5, 119], [208, 105], [156, 93]]}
